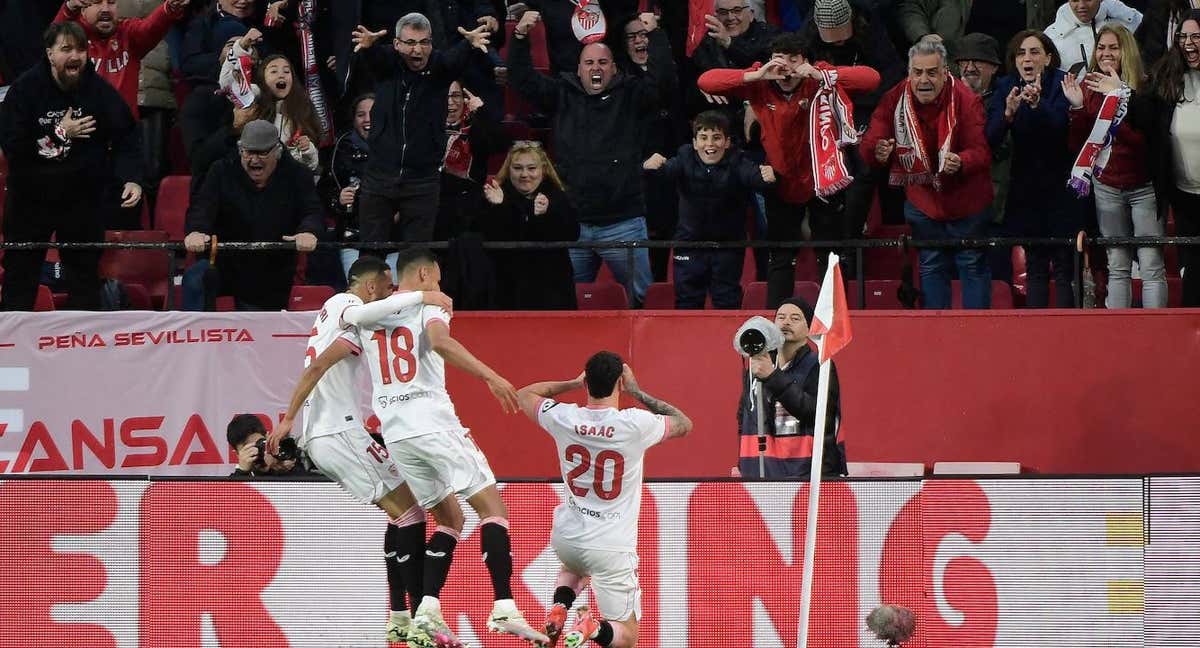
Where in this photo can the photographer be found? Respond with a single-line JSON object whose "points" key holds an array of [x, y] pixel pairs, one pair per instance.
{"points": [[248, 437], [788, 378]]}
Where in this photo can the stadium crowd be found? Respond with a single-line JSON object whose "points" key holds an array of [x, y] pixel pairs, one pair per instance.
{"points": [[395, 121]]}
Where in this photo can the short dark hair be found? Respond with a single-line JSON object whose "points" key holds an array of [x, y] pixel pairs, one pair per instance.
{"points": [[789, 43], [365, 265], [413, 256], [69, 29], [241, 427], [711, 120], [601, 373]]}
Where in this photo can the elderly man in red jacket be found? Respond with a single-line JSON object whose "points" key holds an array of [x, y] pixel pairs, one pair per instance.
{"points": [[806, 119], [929, 132], [117, 46]]}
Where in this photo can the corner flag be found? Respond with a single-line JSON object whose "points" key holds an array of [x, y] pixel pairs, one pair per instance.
{"points": [[830, 327]]}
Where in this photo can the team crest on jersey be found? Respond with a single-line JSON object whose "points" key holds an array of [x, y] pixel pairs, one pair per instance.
{"points": [[547, 405]]}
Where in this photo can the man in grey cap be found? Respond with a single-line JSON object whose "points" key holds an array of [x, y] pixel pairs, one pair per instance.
{"points": [[262, 196], [978, 59]]}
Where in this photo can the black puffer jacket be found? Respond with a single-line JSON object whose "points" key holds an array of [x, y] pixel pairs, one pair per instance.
{"points": [[408, 122], [531, 279], [598, 139], [712, 198]]}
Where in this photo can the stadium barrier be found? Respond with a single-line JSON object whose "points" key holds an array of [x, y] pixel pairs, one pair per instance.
{"points": [[997, 563], [1062, 392]]}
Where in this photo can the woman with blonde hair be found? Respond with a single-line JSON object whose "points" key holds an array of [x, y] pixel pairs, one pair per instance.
{"points": [[1113, 157], [526, 202]]}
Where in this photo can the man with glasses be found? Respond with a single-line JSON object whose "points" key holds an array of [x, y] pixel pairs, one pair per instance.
{"points": [[261, 196], [398, 199], [736, 37]]}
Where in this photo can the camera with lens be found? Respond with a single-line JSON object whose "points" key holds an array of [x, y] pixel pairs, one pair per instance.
{"points": [[288, 450], [756, 336]]}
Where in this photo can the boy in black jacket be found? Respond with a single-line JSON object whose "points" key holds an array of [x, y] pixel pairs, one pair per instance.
{"points": [[714, 185]]}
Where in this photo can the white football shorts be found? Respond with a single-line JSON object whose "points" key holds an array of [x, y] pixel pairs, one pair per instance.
{"points": [[614, 577], [439, 464], [361, 466]]}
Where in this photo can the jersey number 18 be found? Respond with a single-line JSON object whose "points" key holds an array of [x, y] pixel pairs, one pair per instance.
{"points": [[404, 363]]}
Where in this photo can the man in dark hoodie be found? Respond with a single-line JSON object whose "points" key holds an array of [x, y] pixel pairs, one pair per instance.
{"points": [[715, 186], [66, 133], [599, 124]]}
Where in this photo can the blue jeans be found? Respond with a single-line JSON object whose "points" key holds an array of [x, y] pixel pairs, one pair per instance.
{"points": [[936, 265], [586, 263], [350, 255]]}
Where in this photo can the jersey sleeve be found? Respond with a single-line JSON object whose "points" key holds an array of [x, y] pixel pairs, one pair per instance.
{"points": [[349, 337], [653, 428], [430, 313], [550, 416], [347, 302]]}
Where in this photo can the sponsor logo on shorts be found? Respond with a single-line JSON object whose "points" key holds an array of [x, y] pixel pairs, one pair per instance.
{"points": [[399, 399]]}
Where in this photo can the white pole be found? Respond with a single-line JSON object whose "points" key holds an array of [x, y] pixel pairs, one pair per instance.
{"points": [[814, 494]]}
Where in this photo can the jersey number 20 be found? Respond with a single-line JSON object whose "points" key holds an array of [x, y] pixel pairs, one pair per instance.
{"points": [[403, 364], [576, 452]]}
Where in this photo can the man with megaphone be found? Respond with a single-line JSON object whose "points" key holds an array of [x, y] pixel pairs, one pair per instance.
{"points": [[778, 406]]}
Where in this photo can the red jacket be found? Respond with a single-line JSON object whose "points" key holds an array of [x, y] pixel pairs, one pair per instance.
{"points": [[784, 119], [1126, 167], [118, 58], [962, 194]]}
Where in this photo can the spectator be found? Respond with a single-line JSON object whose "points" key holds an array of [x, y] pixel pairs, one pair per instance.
{"points": [[346, 15], [949, 20], [206, 108], [247, 436], [340, 185], [789, 380], [599, 133], [844, 33], [568, 27], [1030, 108], [66, 134], [1076, 25], [1125, 201], [736, 38], [941, 158], [666, 132], [264, 196], [978, 61], [1168, 112], [715, 186], [207, 34], [471, 139], [1160, 24], [117, 45], [781, 93], [400, 191], [527, 202], [285, 104]]}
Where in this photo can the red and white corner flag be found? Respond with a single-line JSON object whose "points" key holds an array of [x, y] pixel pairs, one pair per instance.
{"points": [[830, 327]]}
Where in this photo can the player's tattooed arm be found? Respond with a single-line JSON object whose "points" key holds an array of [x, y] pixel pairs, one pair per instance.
{"points": [[680, 423], [532, 396]]}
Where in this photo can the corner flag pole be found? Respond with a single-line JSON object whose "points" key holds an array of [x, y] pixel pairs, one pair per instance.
{"points": [[829, 296]]}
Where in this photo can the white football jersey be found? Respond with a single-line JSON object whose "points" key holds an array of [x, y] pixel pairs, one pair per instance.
{"points": [[333, 405], [408, 378], [600, 452]]}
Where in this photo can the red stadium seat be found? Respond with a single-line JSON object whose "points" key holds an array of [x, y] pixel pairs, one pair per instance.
{"points": [[170, 212], [601, 296], [150, 269], [660, 295], [754, 295], [44, 300], [309, 298], [880, 294]]}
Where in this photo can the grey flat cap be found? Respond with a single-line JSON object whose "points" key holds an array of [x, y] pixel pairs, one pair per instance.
{"points": [[259, 135]]}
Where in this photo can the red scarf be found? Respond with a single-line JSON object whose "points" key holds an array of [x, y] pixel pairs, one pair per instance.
{"points": [[830, 128], [912, 164]]}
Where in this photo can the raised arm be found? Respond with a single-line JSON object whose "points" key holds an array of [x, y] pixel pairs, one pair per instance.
{"points": [[368, 315], [530, 83], [456, 354], [680, 424], [531, 396]]}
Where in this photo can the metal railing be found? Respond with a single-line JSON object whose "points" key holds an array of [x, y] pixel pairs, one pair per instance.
{"points": [[1079, 245]]}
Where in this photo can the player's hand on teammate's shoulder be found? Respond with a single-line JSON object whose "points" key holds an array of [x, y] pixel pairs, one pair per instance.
{"points": [[439, 299], [505, 393]]}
